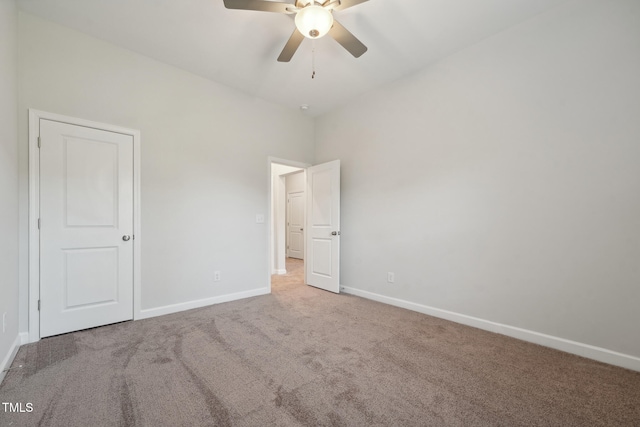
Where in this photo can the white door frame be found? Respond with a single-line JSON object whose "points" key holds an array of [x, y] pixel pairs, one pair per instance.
{"points": [[34, 209], [270, 161]]}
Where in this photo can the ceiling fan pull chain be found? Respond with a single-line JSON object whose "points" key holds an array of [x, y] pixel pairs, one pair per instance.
{"points": [[313, 60]]}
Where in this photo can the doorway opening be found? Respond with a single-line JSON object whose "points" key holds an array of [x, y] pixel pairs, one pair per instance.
{"points": [[287, 236], [317, 232]]}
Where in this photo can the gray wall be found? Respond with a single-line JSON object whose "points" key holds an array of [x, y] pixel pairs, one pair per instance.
{"points": [[503, 183], [204, 157], [8, 176]]}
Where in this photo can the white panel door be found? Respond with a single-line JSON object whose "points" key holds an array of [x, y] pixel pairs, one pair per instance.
{"points": [[86, 227], [295, 225], [323, 226]]}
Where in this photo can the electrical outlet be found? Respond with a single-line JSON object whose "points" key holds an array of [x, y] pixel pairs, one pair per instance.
{"points": [[391, 277], [216, 276]]}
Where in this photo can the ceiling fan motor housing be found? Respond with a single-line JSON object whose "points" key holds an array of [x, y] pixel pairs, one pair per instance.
{"points": [[314, 21]]}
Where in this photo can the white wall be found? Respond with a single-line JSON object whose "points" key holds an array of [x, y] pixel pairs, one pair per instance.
{"points": [[204, 157], [503, 183], [295, 182], [8, 178]]}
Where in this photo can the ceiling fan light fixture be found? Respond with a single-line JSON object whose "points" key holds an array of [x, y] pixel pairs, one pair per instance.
{"points": [[314, 21]]}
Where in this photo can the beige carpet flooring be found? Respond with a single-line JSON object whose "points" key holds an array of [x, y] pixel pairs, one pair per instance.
{"points": [[303, 356]]}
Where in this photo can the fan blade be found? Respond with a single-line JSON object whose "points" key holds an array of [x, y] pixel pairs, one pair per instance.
{"points": [[291, 46], [347, 40], [263, 6], [345, 4]]}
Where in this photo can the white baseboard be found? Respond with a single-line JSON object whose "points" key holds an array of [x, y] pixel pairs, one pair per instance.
{"points": [[580, 349], [13, 350], [280, 271], [174, 308]]}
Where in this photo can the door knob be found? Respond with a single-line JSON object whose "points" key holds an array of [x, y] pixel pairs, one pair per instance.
{"points": [[301, 229], [335, 233], [126, 238]]}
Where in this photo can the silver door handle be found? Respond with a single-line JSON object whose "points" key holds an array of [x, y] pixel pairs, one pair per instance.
{"points": [[126, 238], [301, 229], [335, 233]]}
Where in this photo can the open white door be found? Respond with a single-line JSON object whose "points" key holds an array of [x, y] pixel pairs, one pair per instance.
{"points": [[86, 233], [323, 226]]}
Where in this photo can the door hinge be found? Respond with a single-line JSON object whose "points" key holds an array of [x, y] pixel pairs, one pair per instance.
{"points": [[38, 305], [38, 223], [39, 142]]}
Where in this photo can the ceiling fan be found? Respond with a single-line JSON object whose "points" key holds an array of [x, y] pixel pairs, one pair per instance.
{"points": [[313, 20]]}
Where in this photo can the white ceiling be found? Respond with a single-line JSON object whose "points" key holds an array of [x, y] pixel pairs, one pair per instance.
{"points": [[239, 48]]}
